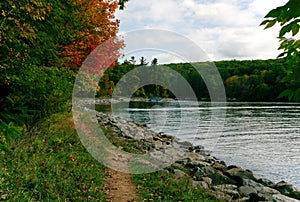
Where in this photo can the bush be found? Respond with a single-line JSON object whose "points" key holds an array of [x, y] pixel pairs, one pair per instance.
{"points": [[36, 92]]}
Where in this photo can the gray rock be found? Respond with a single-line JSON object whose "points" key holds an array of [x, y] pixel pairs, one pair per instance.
{"points": [[228, 189], [240, 174], [179, 173], [185, 144], [253, 184], [204, 171], [266, 182], [207, 180], [246, 191], [269, 190], [200, 184], [285, 188], [219, 178], [219, 166], [282, 198]]}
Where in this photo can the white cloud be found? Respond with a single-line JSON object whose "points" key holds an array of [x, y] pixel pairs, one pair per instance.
{"points": [[225, 29]]}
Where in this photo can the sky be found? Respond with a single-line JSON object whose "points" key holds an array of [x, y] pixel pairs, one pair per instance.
{"points": [[223, 29]]}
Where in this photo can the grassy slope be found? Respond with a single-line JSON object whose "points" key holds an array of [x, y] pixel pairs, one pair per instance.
{"points": [[51, 165]]}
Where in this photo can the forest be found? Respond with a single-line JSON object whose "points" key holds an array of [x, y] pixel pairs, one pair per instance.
{"points": [[248, 80]]}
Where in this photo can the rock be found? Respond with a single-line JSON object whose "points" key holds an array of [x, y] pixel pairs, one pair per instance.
{"points": [[254, 198], [265, 182], [194, 157], [219, 178], [200, 184], [268, 190], [240, 174], [185, 144], [219, 166], [246, 191], [295, 194], [285, 188], [253, 184], [207, 180], [196, 149], [197, 164], [179, 173], [282, 198], [231, 167], [200, 172], [228, 189]]}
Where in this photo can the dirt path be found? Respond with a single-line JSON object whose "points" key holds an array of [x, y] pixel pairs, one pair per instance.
{"points": [[119, 187]]}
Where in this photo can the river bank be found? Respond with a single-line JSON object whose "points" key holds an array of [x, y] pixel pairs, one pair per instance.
{"points": [[229, 181]]}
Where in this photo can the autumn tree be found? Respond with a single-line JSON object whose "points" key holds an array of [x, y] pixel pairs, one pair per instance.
{"points": [[38, 39], [98, 26]]}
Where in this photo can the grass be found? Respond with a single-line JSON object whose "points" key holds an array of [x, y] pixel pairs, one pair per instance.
{"points": [[164, 187], [51, 165]]}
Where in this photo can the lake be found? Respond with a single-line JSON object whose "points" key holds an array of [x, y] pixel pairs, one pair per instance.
{"points": [[262, 137]]}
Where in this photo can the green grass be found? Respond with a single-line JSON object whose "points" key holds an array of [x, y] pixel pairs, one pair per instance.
{"points": [[164, 187], [50, 165]]}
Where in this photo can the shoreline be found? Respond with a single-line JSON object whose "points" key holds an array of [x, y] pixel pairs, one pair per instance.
{"points": [[205, 171]]}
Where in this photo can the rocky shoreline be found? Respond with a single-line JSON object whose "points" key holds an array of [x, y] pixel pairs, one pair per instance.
{"points": [[229, 182]]}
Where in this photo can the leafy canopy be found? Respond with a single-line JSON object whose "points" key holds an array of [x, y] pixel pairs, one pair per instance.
{"points": [[288, 17]]}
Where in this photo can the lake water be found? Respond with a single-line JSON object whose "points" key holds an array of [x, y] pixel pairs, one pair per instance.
{"points": [[262, 137]]}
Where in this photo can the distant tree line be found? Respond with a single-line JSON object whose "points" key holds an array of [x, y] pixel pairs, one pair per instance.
{"points": [[251, 80]]}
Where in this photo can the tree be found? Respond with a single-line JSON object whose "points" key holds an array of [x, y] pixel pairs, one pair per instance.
{"points": [[154, 62], [38, 38], [143, 61], [122, 4], [288, 16], [98, 25]]}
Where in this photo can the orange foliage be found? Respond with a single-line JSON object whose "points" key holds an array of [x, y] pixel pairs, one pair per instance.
{"points": [[99, 26]]}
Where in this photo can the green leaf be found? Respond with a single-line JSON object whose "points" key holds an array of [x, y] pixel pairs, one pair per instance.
{"points": [[264, 22], [296, 72], [295, 29], [287, 93], [270, 24], [297, 95], [285, 29], [274, 13]]}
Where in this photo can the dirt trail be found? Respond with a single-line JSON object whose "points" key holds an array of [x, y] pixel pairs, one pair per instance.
{"points": [[119, 187]]}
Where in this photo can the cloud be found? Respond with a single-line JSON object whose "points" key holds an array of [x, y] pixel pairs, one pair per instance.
{"points": [[225, 29]]}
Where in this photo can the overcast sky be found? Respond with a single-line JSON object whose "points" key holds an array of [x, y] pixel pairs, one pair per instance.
{"points": [[224, 29]]}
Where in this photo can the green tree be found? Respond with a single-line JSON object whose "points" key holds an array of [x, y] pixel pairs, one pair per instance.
{"points": [[288, 16]]}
